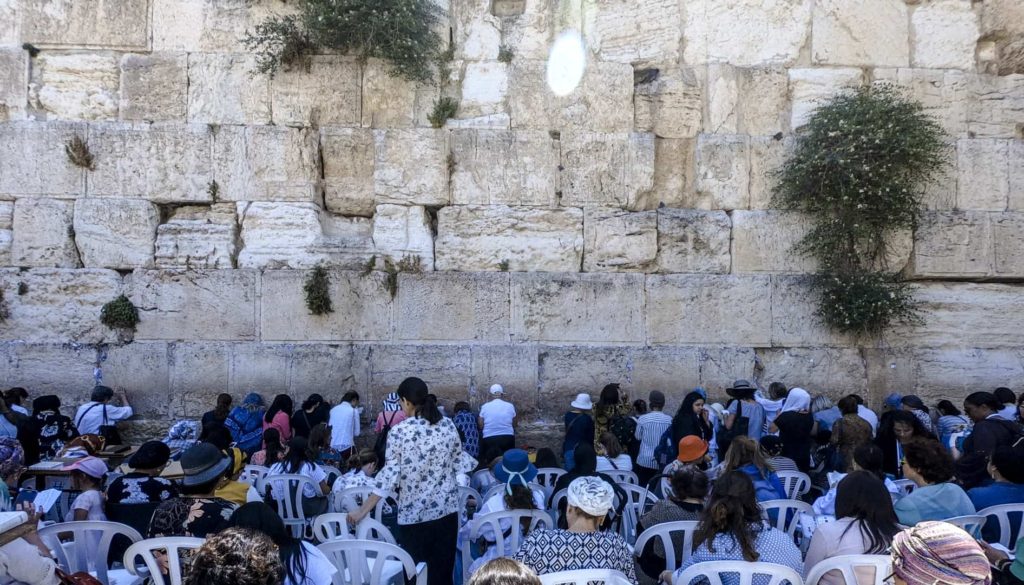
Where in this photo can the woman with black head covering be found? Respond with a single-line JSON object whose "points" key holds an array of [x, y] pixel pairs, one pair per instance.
{"points": [[55, 429], [312, 412], [691, 419]]}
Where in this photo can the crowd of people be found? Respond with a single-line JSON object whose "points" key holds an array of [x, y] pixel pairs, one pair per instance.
{"points": [[707, 462]]}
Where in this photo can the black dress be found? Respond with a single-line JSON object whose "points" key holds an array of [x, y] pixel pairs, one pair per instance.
{"points": [[795, 433]]}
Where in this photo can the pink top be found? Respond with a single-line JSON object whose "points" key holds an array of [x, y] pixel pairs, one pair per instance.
{"points": [[281, 422], [393, 417]]}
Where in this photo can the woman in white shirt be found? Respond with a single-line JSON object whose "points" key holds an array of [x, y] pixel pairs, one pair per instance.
{"points": [[610, 455], [303, 563], [314, 501]]}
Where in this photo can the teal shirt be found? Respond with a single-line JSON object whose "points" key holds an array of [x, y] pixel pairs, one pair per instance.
{"points": [[933, 502]]}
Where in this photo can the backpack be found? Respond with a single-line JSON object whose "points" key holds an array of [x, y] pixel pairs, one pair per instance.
{"points": [[624, 429], [665, 450], [380, 446]]}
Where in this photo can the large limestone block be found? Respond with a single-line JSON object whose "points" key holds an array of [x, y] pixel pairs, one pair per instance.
{"points": [[626, 31], [577, 307], [691, 241], [794, 319], [451, 306], [764, 101], [77, 86], [154, 87], [767, 155], [165, 163], [346, 242], [475, 30], [670, 105], [1016, 175], [198, 372], [328, 93], [43, 234], [362, 308], [13, 83], [723, 172], [1008, 244], [266, 163], [747, 32], [58, 305], [480, 238], [392, 102], [996, 106], [945, 35], [200, 237], [944, 94], [983, 174], [953, 244], [347, 155], [86, 23], [484, 89], [411, 166], [1002, 24], [278, 235], [33, 160], [222, 89], [603, 102], [764, 241], [619, 241], [504, 167], [143, 370], [675, 170], [712, 309], [723, 91], [10, 24], [400, 231], [975, 315], [721, 366], [832, 371], [514, 367], [116, 233], [606, 169], [845, 34], [811, 88], [50, 368], [529, 27], [445, 368], [330, 369], [195, 304], [215, 26]]}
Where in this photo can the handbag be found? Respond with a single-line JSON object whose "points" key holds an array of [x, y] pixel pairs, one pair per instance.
{"points": [[109, 431], [79, 578], [739, 429]]}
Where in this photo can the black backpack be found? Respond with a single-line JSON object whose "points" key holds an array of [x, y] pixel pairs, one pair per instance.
{"points": [[624, 429]]}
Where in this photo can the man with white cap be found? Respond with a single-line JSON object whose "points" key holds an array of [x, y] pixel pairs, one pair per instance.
{"points": [[497, 423]]}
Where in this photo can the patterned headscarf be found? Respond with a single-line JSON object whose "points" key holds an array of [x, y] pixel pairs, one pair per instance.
{"points": [[938, 553], [12, 457], [390, 403], [591, 494]]}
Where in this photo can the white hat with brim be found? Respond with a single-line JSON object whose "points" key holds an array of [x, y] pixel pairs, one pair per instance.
{"points": [[582, 402]]}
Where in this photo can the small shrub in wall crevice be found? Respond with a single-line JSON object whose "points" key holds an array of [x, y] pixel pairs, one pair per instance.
{"points": [[120, 313], [318, 292]]}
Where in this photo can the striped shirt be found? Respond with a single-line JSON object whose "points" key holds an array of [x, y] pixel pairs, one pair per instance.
{"points": [[649, 429]]}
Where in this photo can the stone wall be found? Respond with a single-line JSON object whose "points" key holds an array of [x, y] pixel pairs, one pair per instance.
{"points": [[622, 233]]}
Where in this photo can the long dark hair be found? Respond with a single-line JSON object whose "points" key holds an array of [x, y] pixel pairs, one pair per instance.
{"points": [[273, 448], [223, 406], [296, 456], [863, 497], [686, 408], [609, 396], [520, 499], [732, 510], [282, 403], [869, 457], [887, 432], [314, 400], [416, 392], [262, 518]]}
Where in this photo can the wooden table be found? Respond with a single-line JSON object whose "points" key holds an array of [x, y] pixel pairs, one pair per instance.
{"points": [[16, 533], [45, 469]]}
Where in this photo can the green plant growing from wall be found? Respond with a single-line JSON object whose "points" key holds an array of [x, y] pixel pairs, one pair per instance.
{"points": [[444, 108], [213, 190], [120, 313], [392, 269], [78, 153], [403, 33], [318, 292], [5, 311], [859, 169], [505, 54]]}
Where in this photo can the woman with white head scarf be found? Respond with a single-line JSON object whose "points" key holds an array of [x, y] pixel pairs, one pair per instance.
{"points": [[796, 428]]}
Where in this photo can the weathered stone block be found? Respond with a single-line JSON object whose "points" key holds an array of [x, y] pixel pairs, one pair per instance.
{"points": [[504, 167], [983, 171], [512, 366], [10, 24], [154, 86], [619, 241], [723, 172], [723, 89], [720, 366], [162, 163], [942, 373], [693, 241], [764, 241], [577, 308], [729, 310], [198, 237], [944, 94], [445, 368], [266, 163], [328, 93], [1008, 244], [484, 89], [476, 31], [143, 370], [474, 238], [606, 169], [116, 233], [199, 371], [763, 100], [975, 315], [955, 243], [794, 322], [452, 306], [215, 26], [278, 235], [996, 106], [675, 164], [832, 371], [362, 308], [58, 305], [392, 102], [531, 33], [51, 368], [632, 32], [223, 90], [6, 231], [86, 23], [603, 102], [670, 105], [1016, 195], [767, 155], [347, 155], [400, 231], [13, 82], [195, 305], [411, 166], [33, 161], [945, 35], [810, 88], [332, 370], [746, 33], [1002, 23], [43, 234], [844, 34], [80, 86]]}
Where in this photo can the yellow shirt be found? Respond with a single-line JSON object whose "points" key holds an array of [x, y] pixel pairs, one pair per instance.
{"points": [[233, 491]]}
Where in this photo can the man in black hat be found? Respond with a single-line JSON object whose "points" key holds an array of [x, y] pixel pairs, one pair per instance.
{"points": [[197, 512], [143, 485]]}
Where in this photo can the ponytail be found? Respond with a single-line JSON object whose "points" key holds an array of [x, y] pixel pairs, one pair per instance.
{"points": [[429, 411], [415, 391]]}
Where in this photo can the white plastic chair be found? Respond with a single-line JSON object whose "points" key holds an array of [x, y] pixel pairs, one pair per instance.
{"points": [[89, 547], [505, 539], [482, 479], [1008, 531], [350, 499], [548, 477], [713, 570], [970, 524], [332, 473], [560, 496], [584, 577], [499, 488], [335, 525], [286, 490], [847, 566], [906, 485], [254, 476], [172, 546], [465, 495], [674, 556], [367, 562], [795, 483], [622, 476], [784, 521], [638, 501]]}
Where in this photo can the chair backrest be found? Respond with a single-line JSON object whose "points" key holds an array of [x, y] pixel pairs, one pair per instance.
{"points": [[92, 539], [787, 516], [499, 488], [255, 475], [548, 477], [137, 516], [332, 472], [505, 527], [970, 524], [713, 571], [584, 577], [335, 525], [350, 499], [906, 485], [638, 501], [171, 545], [1009, 528], [286, 490], [676, 550], [847, 566], [482, 479], [363, 562], [795, 483], [470, 501], [560, 496], [622, 476]]}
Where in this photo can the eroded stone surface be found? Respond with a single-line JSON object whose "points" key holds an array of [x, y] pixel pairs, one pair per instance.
{"points": [[484, 89], [764, 241], [975, 315], [1008, 244], [606, 169], [411, 166], [671, 105], [33, 160], [194, 305], [400, 231], [944, 94], [712, 309], [746, 33], [13, 82], [392, 102], [223, 90], [723, 172], [327, 93], [362, 308], [945, 35], [633, 32], [451, 307], [76, 86], [619, 241], [693, 241], [89, 23], [844, 36], [955, 243], [577, 308], [266, 163], [602, 103], [811, 88], [58, 305], [348, 155], [510, 167], [116, 233], [983, 171], [198, 237], [154, 86], [832, 371], [43, 233], [278, 235]]}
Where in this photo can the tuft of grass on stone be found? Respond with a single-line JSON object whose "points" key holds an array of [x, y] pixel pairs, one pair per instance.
{"points": [[444, 108], [318, 292], [78, 153], [503, 265], [505, 54], [120, 313]]}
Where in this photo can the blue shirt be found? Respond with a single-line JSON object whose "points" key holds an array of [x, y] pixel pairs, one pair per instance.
{"points": [[827, 418], [1000, 492], [933, 502], [772, 545]]}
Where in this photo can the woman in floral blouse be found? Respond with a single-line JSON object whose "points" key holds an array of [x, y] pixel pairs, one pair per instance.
{"points": [[424, 456]]}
